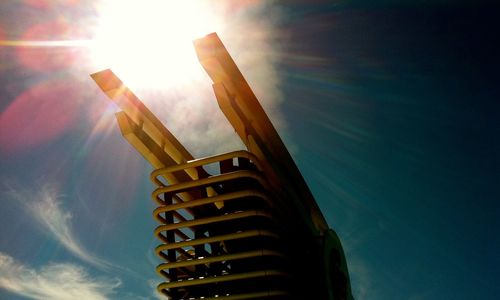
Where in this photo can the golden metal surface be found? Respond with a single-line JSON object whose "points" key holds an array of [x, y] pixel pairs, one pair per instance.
{"points": [[223, 278], [238, 225], [241, 107]]}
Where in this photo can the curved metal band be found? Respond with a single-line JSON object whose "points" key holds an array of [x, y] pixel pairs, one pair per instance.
{"points": [[223, 278]]}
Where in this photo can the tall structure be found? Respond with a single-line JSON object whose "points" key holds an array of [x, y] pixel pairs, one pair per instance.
{"points": [[252, 230]]}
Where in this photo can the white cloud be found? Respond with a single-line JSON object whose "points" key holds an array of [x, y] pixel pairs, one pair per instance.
{"points": [[52, 218], [53, 281]]}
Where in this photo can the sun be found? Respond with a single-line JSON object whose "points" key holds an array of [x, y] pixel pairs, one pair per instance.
{"points": [[148, 43]]}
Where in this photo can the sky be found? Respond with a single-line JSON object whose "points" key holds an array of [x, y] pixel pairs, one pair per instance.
{"points": [[391, 112]]}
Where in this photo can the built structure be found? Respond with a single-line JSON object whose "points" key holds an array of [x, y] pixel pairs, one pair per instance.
{"points": [[252, 230]]}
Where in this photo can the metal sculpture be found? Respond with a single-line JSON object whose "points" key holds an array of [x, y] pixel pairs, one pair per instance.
{"points": [[252, 230]]}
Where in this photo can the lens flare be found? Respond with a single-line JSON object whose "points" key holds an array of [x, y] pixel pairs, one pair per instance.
{"points": [[39, 115], [49, 46], [149, 43], [45, 4]]}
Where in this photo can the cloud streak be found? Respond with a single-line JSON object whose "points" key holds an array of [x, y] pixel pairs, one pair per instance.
{"points": [[361, 278], [54, 220], [53, 281]]}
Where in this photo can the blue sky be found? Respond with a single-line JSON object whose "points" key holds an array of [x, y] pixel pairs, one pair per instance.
{"points": [[391, 112]]}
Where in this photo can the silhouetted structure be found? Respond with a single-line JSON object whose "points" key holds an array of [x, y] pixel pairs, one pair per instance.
{"points": [[252, 230]]}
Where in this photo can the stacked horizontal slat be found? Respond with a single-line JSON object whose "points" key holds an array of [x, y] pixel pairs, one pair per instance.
{"points": [[224, 241]]}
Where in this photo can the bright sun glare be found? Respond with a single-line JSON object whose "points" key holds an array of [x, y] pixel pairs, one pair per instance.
{"points": [[148, 43]]}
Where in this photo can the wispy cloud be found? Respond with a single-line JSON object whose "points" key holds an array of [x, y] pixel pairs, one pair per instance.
{"points": [[361, 278], [47, 211], [53, 281]]}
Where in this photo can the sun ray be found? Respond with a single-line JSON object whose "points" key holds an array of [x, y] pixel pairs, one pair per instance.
{"points": [[149, 43], [51, 43]]}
